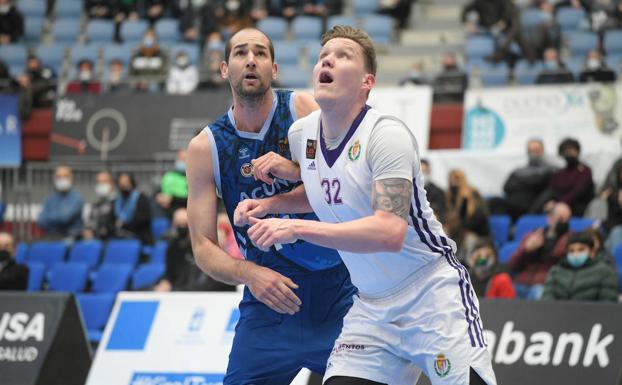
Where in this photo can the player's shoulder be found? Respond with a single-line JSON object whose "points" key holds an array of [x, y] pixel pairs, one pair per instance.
{"points": [[201, 143], [304, 103], [301, 123]]}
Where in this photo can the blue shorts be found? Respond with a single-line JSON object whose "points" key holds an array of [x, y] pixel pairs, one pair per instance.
{"points": [[270, 348]]}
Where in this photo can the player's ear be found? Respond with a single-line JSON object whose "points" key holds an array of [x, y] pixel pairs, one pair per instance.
{"points": [[275, 70], [224, 69], [369, 80]]}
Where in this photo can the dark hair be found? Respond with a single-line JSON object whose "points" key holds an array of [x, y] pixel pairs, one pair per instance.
{"points": [[583, 237], [485, 242], [425, 161], [129, 175], [228, 43], [568, 143]]}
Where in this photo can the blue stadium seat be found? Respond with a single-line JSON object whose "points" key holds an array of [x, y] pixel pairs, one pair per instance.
{"points": [[340, 20], [574, 64], [21, 252], [112, 278], [528, 223], [31, 9], [122, 52], [614, 62], [47, 252], [532, 17], [578, 224], [496, 77], [275, 27], [159, 226], [306, 28], [365, 7], [100, 31], [158, 252], [525, 73], [379, 27], [33, 28], [570, 18], [167, 31], [479, 47], [612, 42], [36, 275], [122, 251], [500, 228], [86, 252], [14, 54], [68, 9], [287, 53], [580, 43], [133, 30], [68, 276], [312, 53], [66, 30], [506, 251], [192, 50], [293, 77], [617, 257], [95, 309], [51, 55], [147, 275], [83, 52]]}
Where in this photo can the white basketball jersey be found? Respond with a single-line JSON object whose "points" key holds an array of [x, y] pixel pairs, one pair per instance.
{"points": [[338, 184]]}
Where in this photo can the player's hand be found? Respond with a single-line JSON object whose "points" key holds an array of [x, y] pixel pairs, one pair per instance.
{"points": [[275, 164], [255, 208], [273, 289], [266, 232]]}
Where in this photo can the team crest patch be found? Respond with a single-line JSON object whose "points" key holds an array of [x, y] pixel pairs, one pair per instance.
{"points": [[442, 365], [283, 145], [355, 151], [246, 170], [311, 148]]}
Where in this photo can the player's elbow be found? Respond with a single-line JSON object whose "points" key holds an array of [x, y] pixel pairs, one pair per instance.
{"points": [[397, 235]]}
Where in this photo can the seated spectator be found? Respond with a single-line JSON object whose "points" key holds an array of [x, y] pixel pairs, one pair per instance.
{"points": [[572, 185], [581, 275], [599, 247], [196, 24], [182, 273], [23, 88], [314, 8], [400, 10], [211, 67], [288, 9], [101, 221], [612, 225], [416, 76], [595, 69], [467, 217], [174, 186], [12, 275], [604, 14], [611, 180], [11, 23], [450, 84], [483, 16], [538, 251], [156, 9], [554, 70], [132, 211], [99, 9], [43, 82], [436, 196], [61, 215], [149, 61], [126, 10], [117, 77], [489, 279], [183, 76], [525, 183], [86, 82]]}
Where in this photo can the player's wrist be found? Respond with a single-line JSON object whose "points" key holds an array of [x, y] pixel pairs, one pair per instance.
{"points": [[244, 271]]}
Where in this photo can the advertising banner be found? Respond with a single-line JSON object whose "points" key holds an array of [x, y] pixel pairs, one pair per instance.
{"points": [[10, 132]]}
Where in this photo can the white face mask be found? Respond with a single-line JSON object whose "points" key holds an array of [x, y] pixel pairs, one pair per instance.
{"points": [[62, 184], [103, 189], [593, 64], [5, 8], [85, 76], [182, 61]]}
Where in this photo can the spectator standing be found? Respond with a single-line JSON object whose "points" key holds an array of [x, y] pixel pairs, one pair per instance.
{"points": [[416, 76], [555, 71], [101, 220], [43, 82], [61, 216], [174, 186], [11, 23], [489, 279], [450, 84], [12, 275], [183, 77], [596, 70], [132, 211]]}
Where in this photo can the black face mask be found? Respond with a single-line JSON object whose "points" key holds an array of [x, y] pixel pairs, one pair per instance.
{"points": [[125, 193], [561, 228], [571, 161], [182, 232], [5, 256]]}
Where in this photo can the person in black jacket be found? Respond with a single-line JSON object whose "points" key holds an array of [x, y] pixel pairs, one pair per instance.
{"points": [[12, 275], [11, 23], [436, 195], [132, 210]]}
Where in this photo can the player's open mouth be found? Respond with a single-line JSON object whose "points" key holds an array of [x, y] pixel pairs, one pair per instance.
{"points": [[251, 77], [325, 78]]}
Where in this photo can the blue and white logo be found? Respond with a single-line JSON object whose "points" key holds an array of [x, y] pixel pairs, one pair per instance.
{"points": [[177, 379], [196, 321], [243, 152], [483, 129]]}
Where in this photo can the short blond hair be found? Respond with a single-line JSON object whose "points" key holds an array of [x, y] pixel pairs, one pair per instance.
{"points": [[358, 36]]}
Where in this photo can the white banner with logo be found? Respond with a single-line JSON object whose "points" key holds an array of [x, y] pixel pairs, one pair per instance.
{"points": [[172, 338]]}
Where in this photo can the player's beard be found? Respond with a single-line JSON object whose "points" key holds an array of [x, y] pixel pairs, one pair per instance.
{"points": [[248, 95]]}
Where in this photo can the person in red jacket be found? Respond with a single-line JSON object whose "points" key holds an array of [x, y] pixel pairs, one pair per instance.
{"points": [[489, 279]]}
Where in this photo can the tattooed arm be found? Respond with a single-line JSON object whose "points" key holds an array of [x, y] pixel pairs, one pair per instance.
{"points": [[393, 196]]}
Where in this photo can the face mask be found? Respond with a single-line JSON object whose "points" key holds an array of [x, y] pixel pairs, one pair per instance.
{"points": [[85, 76], [482, 268], [577, 260], [535, 160], [5, 8], [125, 193], [182, 61], [593, 64], [103, 189], [561, 228], [5, 256], [180, 166], [414, 74], [550, 65], [182, 232], [571, 161], [62, 184], [149, 42]]}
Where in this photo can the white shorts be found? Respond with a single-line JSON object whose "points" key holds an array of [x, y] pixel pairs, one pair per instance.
{"points": [[429, 323]]}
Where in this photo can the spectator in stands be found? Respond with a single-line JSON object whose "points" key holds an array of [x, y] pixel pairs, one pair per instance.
{"points": [[117, 79], [101, 220], [85, 81], [182, 273], [555, 71], [196, 24], [99, 9], [612, 225], [126, 10], [183, 76], [525, 183], [174, 186], [6, 83], [11, 23], [467, 217], [131, 210], [43, 82], [416, 76], [489, 279], [572, 185], [212, 78], [12, 275], [23, 88], [450, 84], [61, 215], [398, 9], [538, 251], [604, 14], [599, 247], [595, 69], [436, 195], [156, 9], [581, 275], [149, 62]]}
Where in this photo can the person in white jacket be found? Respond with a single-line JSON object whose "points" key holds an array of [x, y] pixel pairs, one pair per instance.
{"points": [[183, 77]]}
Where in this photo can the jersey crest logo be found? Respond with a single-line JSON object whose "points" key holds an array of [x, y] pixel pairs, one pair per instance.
{"points": [[246, 170], [354, 151], [311, 148], [442, 365], [283, 145]]}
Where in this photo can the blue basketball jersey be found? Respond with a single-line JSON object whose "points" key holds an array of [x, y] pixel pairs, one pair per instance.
{"points": [[232, 152]]}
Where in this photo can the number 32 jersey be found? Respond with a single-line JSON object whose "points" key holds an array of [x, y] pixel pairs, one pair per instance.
{"points": [[338, 183]]}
